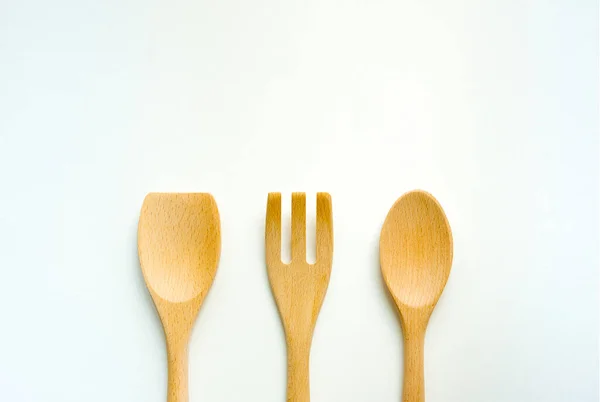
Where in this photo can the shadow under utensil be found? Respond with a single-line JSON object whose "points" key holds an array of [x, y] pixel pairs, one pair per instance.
{"points": [[143, 292], [392, 309], [260, 246], [379, 279]]}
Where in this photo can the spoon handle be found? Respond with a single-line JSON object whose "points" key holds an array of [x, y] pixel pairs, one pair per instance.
{"points": [[177, 388], [414, 379], [298, 389]]}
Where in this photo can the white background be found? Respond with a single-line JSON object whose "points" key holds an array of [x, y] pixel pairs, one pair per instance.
{"points": [[490, 106]]}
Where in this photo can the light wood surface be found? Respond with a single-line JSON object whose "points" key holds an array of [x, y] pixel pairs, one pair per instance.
{"points": [[179, 243], [298, 287], [416, 255]]}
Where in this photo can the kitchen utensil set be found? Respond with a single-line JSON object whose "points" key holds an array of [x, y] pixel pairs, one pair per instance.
{"points": [[179, 244]]}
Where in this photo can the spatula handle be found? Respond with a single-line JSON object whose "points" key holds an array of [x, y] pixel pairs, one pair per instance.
{"points": [[414, 378], [177, 389], [298, 389]]}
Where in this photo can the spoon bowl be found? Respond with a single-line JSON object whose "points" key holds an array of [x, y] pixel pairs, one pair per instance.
{"points": [[416, 250], [173, 234]]}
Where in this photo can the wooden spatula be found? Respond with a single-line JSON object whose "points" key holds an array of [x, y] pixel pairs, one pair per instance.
{"points": [[299, 287], [416, 255], [179, 244]]}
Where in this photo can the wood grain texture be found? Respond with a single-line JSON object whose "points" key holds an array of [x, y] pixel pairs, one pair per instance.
{"points": [[416, 256], [179, 245], [298, 287]]}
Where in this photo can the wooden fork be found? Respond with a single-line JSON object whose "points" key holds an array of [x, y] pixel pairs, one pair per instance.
{"points": [[298, 287]]}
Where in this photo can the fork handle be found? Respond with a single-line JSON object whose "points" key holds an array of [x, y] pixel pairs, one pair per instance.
{"points": [[298, 389]]}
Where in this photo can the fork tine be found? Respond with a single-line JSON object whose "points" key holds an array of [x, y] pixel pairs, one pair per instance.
{"points": [[324, 229], [298, 227], [273, 229]]}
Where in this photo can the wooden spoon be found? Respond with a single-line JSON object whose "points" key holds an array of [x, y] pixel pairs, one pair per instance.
{"points": [[179, 244], [415, 251]]}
